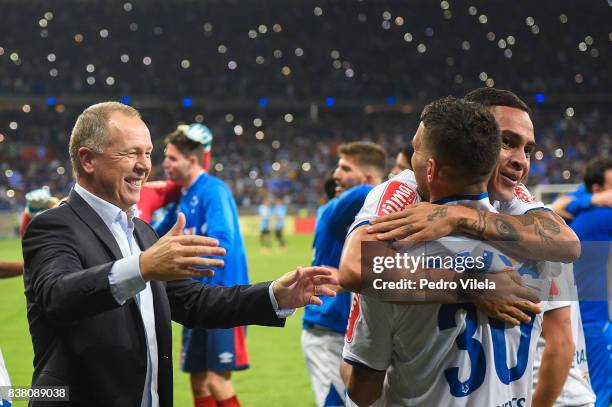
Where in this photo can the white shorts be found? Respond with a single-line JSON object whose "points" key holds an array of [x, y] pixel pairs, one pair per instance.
{"points": [[323, 355]]}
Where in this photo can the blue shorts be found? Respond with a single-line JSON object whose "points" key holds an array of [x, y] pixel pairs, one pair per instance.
{"points": [[598, 338], [217, 350]]}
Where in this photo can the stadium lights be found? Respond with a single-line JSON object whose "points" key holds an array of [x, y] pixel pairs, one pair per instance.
{"points": [[330, 101], [51, 101], [540, 98], [187, 102], [263, 102]]}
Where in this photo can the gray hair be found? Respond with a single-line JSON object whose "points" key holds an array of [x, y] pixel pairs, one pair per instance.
{"points": [[91, 129]]}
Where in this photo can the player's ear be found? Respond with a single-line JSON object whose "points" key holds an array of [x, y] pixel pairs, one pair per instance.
{"points": [[432, 170], [596, 188]]}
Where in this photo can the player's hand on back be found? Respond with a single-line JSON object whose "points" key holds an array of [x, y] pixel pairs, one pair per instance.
{"points": [[419, 222], [177, 256], [509, 302], [301, 286]]}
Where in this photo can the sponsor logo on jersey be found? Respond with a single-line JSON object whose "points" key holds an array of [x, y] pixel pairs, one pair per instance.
{"points": [[353, 318], [226, 357], [523, 194], [396, 197]]}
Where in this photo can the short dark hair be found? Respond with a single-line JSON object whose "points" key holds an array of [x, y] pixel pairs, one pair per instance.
{"points": [[463, 136], [366, 154], [491, 97], [594, 172], [185, 145], [407, 150]]}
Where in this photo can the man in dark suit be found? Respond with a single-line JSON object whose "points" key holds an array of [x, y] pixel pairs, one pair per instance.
{"points": [[101, 288]]}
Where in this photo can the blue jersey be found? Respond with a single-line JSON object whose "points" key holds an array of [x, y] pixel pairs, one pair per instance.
{"points": [[210, 210], [593, 225], [279, 211], [333, 221], [265, 213], [581, 202]]}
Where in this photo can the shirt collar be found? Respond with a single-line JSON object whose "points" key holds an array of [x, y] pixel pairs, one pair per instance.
{"points": [[184, 190], [107, 211], [475, 201]]}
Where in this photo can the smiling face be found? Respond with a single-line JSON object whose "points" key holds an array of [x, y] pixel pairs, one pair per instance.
{"points": [[518, 144], [117, 174]]}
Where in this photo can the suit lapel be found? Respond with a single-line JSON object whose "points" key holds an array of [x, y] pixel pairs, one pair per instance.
{"points": [[144, 239], [95, 222]]}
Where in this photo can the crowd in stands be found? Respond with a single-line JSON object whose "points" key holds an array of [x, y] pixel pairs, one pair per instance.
{"points": [[361, 53]]}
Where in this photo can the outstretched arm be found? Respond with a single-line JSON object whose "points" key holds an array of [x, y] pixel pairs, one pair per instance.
{"points": [[11, 268]]}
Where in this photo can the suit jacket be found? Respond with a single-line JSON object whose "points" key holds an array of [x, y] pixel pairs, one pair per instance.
{"points": [[83, 338]]}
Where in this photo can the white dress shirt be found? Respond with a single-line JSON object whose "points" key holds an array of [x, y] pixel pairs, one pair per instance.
{"points": [[126, 282]]}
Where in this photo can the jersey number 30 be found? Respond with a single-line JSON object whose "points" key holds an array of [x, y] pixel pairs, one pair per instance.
{"points": [[475, 351]]}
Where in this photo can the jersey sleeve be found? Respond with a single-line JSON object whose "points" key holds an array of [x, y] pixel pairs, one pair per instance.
{"points": [[155, 195], [522, 202], [165, 224], [391, 196], [551, 305], [581, 202], [368, 340], [344, 211]]}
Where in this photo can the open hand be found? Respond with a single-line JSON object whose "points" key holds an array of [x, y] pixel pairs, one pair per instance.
{"points": [[177, 256], [510, 301], [301, 286]]}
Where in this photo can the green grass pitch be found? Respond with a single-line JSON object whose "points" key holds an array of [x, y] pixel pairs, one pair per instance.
{"points": [[277, 376]]}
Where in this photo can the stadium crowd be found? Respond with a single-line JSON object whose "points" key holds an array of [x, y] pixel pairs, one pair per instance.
{"points": [[290, 157], [344, 58]]}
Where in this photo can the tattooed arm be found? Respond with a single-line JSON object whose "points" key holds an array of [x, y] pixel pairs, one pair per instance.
{"points": [[537, 235]]}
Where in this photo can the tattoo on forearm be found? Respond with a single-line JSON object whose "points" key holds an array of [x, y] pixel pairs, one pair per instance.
{"points": [[526, 219], [437, 213], [506, 231], [543, 227], [550, 225], [478, 226]]}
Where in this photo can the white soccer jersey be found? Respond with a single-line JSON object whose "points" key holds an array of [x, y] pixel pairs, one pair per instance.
{"points": [[577, 389], [522, 202], [391, 196], [444, 354]]}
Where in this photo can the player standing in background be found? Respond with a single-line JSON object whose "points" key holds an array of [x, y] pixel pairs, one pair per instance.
{"points": [[360, 167], [402, 160], [279, 212], [594, 227], [449, 354], [265, 214], [36, 202], [158, 194], [208, 355]]}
